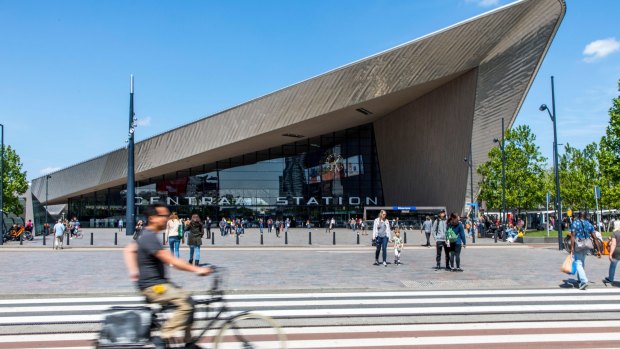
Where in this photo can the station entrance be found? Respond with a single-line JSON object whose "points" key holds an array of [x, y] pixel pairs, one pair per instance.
{"points": [[409, 217]]}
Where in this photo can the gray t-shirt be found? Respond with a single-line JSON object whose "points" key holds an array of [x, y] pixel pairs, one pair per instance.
{"points": [[152, 271], [382, 229], [615, 254]]}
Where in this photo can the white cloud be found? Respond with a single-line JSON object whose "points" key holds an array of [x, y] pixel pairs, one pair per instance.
{"points": [[49, 170], [600, 48], [144, 122], [484, 3]]}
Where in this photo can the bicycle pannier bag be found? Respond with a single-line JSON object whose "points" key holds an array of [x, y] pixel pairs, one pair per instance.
{"points": [[125, 326]]}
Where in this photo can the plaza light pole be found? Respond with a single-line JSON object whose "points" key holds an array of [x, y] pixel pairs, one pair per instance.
{"points": [[558, 198], [502, 147], [2, 187], [131, 192], [470, 163], [47, 177]]}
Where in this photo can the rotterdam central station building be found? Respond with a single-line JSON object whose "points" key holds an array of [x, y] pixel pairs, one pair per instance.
{"points": [[389, 130]]}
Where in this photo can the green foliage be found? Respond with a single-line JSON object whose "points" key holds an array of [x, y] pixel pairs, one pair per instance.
{"points": [[609, 157], [578, 176], [525, 172], [14, 181]]}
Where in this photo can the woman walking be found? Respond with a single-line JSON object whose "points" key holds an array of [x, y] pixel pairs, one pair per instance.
{"points": [[455, 237], [381, 235], [194, 239], [614, 256], [173, 234]]}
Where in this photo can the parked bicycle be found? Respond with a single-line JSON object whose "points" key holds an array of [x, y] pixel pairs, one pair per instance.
{"points": [[136, 327]]}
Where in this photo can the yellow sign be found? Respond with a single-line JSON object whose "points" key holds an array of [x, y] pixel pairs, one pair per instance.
{"points": [[569, 212]]}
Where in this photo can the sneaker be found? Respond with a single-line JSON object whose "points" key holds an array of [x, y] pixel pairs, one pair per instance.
{"points": [[384, 264], [448, 269], [376, 263], [607, 281], [583, 286], [458, 269]]}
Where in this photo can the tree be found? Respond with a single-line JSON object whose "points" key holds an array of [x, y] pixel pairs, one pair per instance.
{"points": [[578, 175], [525, 172], [14, 181], [609, 157]]}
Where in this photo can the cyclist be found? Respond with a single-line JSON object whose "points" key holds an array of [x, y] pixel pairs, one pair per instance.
{"points": [[146, 260]]}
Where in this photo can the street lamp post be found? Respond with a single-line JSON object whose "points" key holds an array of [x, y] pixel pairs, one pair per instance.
{"points": [[47, 177], [131, 197], [558, 198], [470, 163], [502, 147], [2, 187]]}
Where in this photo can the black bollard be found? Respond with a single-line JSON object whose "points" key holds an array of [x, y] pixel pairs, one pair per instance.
{"points": [[21, 238], [495, 235], [68, 239], [286, 237], [237, 238], [261, 239], [115, 238], [358, 238], [92, 239], [44, 238], [473, 235], [310, 238], [212, 239], [405, 237], [334, 238]]}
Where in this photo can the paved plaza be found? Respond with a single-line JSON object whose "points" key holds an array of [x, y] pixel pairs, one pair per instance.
{"points": [[82, 269]]}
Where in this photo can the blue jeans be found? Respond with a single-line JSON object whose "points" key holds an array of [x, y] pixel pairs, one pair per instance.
{"points": [[191, 252], [612, 269], [174, 242], [222, 232], [580, 261], [381, 243]]}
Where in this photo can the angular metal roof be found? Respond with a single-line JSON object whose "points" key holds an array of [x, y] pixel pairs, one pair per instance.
{"points": [[506, 45]]}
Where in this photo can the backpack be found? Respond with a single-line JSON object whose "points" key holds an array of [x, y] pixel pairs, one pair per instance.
{"points": [[451, 235]]}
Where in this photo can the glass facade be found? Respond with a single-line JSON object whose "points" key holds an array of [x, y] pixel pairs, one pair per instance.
{"points": [[333, 175]]}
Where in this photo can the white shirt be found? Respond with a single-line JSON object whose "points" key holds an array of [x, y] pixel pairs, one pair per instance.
{"points": [[172, 227], [375, 228]]}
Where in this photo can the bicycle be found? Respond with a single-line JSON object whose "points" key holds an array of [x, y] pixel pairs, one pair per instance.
{"points": [[234, 329]]}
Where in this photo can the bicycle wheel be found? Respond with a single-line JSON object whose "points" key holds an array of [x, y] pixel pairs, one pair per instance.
{"points": [[250, 331]]}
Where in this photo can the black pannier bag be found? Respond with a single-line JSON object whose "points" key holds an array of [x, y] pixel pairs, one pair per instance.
{"points": [[126, 327]]}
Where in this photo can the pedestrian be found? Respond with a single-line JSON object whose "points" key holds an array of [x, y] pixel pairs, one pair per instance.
{"points": [[194, 239], [455, 237], [332, 224], [614, 256], [398, 246], [287, 224], [616, 223], [46, 229], [260, 225], [363, 225], [120, 225], [354, 225], [308, 225], [280, 228], [581, 240], [174, 233], [427, 227], [439, 234], [59, 232], [223, 226], [269, 225], [145, 261], [381, 235]]}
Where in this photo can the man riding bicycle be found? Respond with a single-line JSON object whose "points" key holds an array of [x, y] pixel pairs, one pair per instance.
{"points": [[146, 260]]}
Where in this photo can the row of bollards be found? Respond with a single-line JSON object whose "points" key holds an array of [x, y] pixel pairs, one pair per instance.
{"points": [[92, 239]]}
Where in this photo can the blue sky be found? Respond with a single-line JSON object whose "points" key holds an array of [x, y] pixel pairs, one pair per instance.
{"points": [[65, 65]]}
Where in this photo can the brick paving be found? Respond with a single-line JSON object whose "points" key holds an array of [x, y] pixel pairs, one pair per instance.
{"points": [[86, 270]]}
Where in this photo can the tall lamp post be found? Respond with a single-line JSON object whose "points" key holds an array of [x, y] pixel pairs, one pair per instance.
{"points": [[131, 192], [2, 187], [558, 198], [47, 177], [502, 147], [470, 163]]}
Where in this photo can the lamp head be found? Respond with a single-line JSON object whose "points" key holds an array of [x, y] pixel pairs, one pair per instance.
{"points": [[543, 107], [495, 140]]}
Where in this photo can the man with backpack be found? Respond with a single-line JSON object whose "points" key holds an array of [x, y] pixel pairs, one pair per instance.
{"points": [[439, 234]]}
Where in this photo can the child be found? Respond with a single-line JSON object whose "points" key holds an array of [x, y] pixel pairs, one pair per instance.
{"points": [[398, 246]]}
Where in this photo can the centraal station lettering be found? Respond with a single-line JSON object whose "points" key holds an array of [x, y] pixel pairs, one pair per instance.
{"points": [[240, 201]]}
